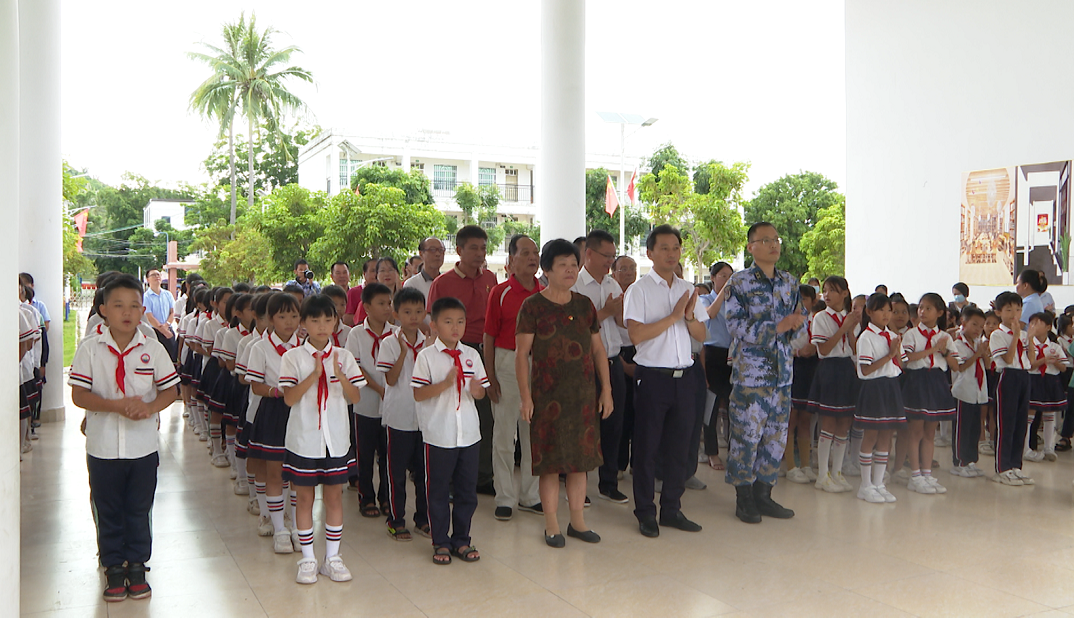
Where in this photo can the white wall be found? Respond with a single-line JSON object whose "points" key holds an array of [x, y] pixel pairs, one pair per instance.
{"points": [[935, 89]]}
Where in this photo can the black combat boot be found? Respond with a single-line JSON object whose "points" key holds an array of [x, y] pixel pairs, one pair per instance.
{"points": [[762, 497], [745, 507]]}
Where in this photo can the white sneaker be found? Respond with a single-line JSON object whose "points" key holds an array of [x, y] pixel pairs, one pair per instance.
{"points": [[883, 491], [203, 437], [851, 467], [220, 461], [918, 484], [307, 571], [902, 476], [843, 482], [985, 448], [829, 485], [963, 471], [287, 523], [296, 540], [27, 447], [931, 480], [811, 473], [1007, 478], [264, 526], [1048, 454], [335, 569], [252, 507], [234, 474], [1034, 456], [870, 494], [1022, 476], [975, 470], [242, 488], [797, 475], [942, 441], [281, 542]]}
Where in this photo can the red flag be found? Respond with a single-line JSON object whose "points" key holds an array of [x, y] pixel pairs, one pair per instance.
{"points": [[630, 187], [81, 219], [611, 200]]}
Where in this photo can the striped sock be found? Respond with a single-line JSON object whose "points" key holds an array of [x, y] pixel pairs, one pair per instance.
{"points": [[294, 504], [214, 438], [839, 451], [305, 539], [915, 473], [332, 537], [856, 436], [926, 472], [275, 511], [824, 451], [880, 465], [1049, 432], [259, 493], [251, 482], [866, 462]]}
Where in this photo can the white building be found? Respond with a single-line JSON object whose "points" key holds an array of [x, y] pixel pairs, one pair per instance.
{"points": [[171, 210]]}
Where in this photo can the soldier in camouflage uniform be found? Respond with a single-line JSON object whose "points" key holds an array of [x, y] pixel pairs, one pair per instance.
{"points": [[763, 315]]}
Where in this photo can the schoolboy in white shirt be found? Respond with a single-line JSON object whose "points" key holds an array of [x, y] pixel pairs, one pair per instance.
{"points": [[123, 380], [447, 379], [1010, 346], [969, 385]]}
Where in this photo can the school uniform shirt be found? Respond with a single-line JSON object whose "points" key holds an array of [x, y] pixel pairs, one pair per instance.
{"points": [[398, 409], [35, 351], [875, 343], [229, 347], [824, 326], [95, 326], [29, 330], [1049, 349], [971, 384], [1001, 340], [1064, 343], [146, 369], [598, 293], [339, 336], [242, 359], [922, 338], [264, 363], [365, 345], [651, 299], [318, 426], [211, 336], [448, 420]]}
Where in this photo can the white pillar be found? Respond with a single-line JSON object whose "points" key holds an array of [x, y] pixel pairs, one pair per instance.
{"points": [[40, 177], [561, 182], [9, 319], [475, 177]]}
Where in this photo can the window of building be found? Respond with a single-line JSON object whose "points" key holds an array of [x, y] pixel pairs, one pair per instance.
{"points": [[167, 220], [444, 177], [486, 176]]}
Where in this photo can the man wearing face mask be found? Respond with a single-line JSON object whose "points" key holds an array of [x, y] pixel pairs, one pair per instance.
{"points": [[961, 292]]}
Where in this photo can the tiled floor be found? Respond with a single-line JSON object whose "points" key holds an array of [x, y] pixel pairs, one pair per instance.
{"points": [[980, 550]]}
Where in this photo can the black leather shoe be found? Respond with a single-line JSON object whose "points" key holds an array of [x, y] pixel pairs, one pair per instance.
{"points": [[678, 520], [588, 536], [648, 527], [487, 489], [745, 506], [762, 497], [556, 540]]}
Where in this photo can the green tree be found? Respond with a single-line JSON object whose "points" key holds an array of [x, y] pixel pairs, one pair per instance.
{"points": [[415, 185], [479, 207], [275, 161], [792, 204], [253, 77], [292, 219], [666, 154], [378, 223], [596, 185], [710, 223], [824, 246], [246, 258], [149, 248], [74, 263]]}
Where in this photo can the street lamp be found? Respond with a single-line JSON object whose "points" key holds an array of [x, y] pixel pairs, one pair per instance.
{"points": [[623, 120]]}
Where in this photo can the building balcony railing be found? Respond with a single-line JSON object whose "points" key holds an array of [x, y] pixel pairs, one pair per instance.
{"points": [[508, 192]]}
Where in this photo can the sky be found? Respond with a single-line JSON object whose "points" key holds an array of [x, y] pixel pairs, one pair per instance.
{"points": [[734, 81]]}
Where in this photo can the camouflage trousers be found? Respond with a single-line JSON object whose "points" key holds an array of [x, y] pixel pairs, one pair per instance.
{"points": [[758, 421]]}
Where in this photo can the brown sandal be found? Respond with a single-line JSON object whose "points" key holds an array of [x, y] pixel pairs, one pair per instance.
{"points": [[370, 510], [441, 556], [469, 555]]}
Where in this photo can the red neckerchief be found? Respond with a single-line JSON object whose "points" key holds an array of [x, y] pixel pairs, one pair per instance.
{"points": [[1020, 347], [121, 367], [460, 379], [242, 330], [322, 382], [280, 347], [377, 339], [886, 334], [928, 335], [978, 365], [413, 348], [1040, 354], [838, 319], [100, 328], [335, 337]]}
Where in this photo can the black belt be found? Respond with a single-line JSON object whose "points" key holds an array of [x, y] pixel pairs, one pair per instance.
{"points": [[675, 373]]}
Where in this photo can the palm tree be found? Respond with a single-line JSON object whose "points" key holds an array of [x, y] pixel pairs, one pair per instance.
{"points": [[248, 73]]}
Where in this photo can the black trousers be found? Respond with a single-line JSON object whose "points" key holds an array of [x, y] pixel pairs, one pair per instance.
{"points": [[966, 430], [123, 491], [718, 373], [611, 428], [169, 344], [694, 445], [1068, 416], [369, 437], [626, 354], [447, 469], [1012, 415], [663, 419], [405, 452], [484, 417]]}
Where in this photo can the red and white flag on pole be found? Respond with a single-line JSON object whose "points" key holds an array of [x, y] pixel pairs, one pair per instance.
{"points": [[611, 200], [81, 220], [630, 187]]}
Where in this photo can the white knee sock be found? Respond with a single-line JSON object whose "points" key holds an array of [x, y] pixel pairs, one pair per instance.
{"points": [[1049, 432], [332, 536], [839, 450], [866, 462], [259, 493], [214, 438], [824, 450], [305, 539], [275, 512], [856, 436], [880, 465]]}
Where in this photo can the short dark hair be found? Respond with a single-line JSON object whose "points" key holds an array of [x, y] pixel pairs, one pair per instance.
{"points": [[969, 312], [261, 289], [292, 288], [1006, 298], [991, 314], [469, 232], [1043, 316], [756, 226], [278, 303], [808, 291], [221, 293], [373, 290], [343, 264], [121, 282], [446, 303], [242, 287], [1034, 279], [389, 260], [580, 240], [317, 306], [408, 295], [299, 262], [555, 248], [650, 241], [365, 264], [512, 245], [262, 301], [598, 236], [962, 289], [718, 266], [334, 291], [410, 260], [27, 278], [615, 262], [878, 288]]}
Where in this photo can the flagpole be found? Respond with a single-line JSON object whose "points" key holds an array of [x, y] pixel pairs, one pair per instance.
{"points": [[619, 186]]}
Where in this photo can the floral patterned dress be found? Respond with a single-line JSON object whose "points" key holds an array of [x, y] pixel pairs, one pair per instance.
{"points": [[565, 429]]}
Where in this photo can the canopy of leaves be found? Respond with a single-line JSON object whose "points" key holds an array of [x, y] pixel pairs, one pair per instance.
{"points": [[825, 245], [596, 218], [292, 219], [415, 185], [792, 204], [479, 206], [667, 155], [74, 263], [275, 160]]}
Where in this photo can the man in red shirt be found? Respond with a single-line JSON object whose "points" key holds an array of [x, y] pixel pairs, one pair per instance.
{"points": [[355, 312], [500, 317], [469, 282]]}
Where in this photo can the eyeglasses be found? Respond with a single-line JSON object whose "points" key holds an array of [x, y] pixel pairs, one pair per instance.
{"points": [[767, 242], [435, 250], [606, 256]]}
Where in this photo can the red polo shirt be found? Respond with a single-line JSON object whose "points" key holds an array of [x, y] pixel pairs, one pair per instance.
{"points": [[354, 304], [502, 313], [474, 294]]}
